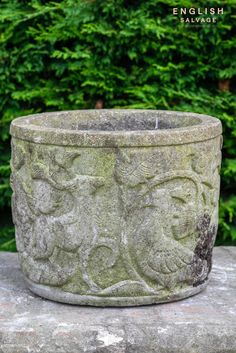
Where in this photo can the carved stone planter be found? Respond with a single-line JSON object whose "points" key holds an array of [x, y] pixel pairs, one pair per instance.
{"points": [[115, 207]]}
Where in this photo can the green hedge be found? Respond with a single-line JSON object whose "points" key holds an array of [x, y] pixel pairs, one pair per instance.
{"points": [[70, 54]]}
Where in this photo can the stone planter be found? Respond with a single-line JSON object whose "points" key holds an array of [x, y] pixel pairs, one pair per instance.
{"points": [[116, 207]]}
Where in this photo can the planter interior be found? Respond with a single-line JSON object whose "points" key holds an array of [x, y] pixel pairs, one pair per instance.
{"points": [[116, 120]]}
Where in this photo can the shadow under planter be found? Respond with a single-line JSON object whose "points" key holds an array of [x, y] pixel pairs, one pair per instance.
{"points": [[116, 207]]}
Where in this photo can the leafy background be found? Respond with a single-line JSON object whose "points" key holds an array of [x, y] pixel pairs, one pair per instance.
{"points": [[74, 54]]}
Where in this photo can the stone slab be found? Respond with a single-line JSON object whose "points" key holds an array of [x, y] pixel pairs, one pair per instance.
{"points": [[205, 323]]}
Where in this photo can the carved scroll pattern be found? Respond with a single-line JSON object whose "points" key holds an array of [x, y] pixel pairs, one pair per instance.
{"points": [[158, 230], [171, 219]]}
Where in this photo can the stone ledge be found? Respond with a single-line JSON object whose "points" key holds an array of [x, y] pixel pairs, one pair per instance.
{"points": [[205, 323]]}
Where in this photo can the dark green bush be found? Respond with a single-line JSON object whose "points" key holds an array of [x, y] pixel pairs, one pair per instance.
{"points": [[69, 54]]}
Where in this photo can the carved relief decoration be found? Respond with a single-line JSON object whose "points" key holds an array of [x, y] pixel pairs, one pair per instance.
{"points": [[139, 225]]}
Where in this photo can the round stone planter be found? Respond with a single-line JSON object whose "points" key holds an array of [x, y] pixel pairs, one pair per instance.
{"points": [[115, 207]]}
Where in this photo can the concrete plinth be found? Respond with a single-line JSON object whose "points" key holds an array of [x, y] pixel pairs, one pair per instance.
{"points": [[204, 323]]}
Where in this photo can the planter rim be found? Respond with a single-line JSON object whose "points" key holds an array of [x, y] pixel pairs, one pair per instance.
{"points": [[36, 128]]}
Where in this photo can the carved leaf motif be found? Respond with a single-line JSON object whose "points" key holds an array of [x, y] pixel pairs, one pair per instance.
{"points": [[18, 156], [57, 271], [132, 174]]}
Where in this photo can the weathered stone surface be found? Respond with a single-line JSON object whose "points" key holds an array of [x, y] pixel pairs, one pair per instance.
{"points": [[205, 323], [116, 207]]}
